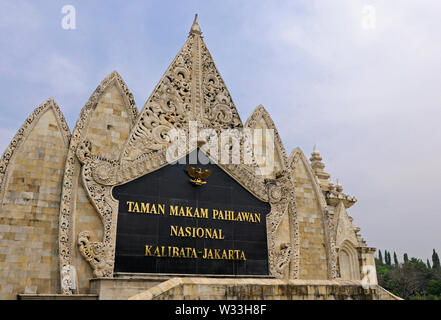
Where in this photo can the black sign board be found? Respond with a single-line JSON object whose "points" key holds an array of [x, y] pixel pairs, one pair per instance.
{"points": [[167, 224]]}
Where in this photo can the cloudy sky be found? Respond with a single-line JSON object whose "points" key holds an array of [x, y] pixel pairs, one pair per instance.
{"points": [[359, 78]]}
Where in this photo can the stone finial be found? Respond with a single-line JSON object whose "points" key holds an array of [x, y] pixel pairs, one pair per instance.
{"points": [[338, 187], [331, 186], [315, 151], [195, 28], [318, 166]]}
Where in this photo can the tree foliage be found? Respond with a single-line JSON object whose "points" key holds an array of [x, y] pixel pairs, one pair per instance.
{"points": [[412, 279]]}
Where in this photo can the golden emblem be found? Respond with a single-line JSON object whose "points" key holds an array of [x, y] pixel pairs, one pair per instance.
{"points": [[198, 175]]}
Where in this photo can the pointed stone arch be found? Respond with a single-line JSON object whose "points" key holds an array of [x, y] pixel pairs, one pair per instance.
{"points": [[348, 261], [107, 119], [23, 133], [260, 119], [317, 245], [347, 244], [31, 174]]}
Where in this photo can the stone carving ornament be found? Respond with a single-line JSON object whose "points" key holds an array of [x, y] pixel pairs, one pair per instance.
{"points": [[191, 89], [282, 202]]}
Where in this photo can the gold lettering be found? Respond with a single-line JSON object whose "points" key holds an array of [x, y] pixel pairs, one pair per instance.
{"points": [[173, 231], [200, 232], [145, 207], [173, 210], [204, 213], [161, 208], [215, 213], [130, 203]]}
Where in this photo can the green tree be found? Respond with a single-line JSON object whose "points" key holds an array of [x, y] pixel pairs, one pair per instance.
{"points": [[414, 279], [380, 257], [434, 287], [387, 258], [395, 259], [435, 261]]}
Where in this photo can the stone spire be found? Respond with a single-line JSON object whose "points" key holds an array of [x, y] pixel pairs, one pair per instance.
{"points": [[195, 28], [191, 89], [318, 166]]}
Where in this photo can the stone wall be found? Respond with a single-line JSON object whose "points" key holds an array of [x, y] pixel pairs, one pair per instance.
{"points": [[313, 254], [30, 201]]}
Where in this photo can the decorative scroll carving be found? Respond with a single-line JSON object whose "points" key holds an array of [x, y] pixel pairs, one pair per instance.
{"points": [[98, 254], [218, 105], [281, 199], [167, 108], [69, 278]]}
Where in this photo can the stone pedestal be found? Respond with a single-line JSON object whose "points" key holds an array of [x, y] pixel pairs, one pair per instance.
{"points": [[174, 287]]}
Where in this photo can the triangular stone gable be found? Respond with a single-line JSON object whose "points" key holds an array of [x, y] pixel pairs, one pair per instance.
{"points": [[260, 119], [191, 89]]}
